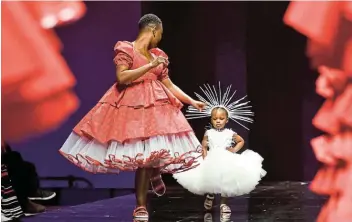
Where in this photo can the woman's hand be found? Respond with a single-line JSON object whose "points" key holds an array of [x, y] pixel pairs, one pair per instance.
{"points": [[198, 105], [159, 60]]}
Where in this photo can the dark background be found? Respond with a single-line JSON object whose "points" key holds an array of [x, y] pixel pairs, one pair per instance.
{"points": [[279, 79], [241, 43]]}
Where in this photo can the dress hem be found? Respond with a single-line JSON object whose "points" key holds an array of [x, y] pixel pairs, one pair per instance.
{"points": [[110, 166]]}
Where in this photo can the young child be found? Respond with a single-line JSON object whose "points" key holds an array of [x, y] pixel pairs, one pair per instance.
{"points": [[222, 170]]}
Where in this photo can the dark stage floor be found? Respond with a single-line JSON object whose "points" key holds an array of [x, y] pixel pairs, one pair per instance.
{"points": [[284, 201]]}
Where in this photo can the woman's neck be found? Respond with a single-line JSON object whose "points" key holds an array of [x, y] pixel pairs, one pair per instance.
{"points": [[142, 43]]}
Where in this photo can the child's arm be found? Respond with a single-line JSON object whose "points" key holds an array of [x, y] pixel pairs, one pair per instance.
{"points": [[205, 145], [239, 143]]}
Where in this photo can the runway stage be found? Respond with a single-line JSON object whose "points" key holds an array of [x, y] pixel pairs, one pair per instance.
{"points": [[282, 201]]}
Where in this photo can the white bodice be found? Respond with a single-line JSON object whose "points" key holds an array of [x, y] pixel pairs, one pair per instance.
{"points": [[219, 139]]}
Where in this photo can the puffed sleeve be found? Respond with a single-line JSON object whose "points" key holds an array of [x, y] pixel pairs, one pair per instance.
{"points": [[123, 54], [165, 72], [233, 133]]}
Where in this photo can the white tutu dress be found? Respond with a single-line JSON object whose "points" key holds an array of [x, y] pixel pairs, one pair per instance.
{"points": [[223, 172]]}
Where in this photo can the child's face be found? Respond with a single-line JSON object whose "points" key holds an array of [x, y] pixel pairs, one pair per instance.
{"points": [[219, 118]]}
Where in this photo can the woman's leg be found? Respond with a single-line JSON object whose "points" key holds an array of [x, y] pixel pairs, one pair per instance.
{"points": [[157, 182], [142, 180]]}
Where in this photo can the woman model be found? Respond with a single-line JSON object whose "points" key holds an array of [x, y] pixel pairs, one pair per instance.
{"points": [[137, 125]]}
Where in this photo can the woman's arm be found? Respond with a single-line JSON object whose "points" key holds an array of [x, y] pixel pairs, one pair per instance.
{"points": [[239, 143], [181, 95], [205, 146], [126, 76], [177, 91]]}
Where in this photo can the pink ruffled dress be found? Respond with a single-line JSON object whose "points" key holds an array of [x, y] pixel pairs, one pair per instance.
{"points": [[328, 26], [134, 126]]}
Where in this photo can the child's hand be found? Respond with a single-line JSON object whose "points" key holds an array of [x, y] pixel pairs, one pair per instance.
{"points": [[231, 149], [204, 153]]}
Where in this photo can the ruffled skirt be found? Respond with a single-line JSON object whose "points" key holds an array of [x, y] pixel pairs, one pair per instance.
{"points": [[124, 132], [225, 173]]}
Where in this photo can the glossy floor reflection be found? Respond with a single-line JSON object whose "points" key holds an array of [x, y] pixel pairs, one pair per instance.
{"points": [[285, 201]]}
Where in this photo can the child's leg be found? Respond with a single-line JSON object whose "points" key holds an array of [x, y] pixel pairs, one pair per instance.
{"points": [[223, 200], [208, 203], [224, 209]]}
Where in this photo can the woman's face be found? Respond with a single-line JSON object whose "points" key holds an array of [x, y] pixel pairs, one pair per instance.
{"points": [[157, 35]]}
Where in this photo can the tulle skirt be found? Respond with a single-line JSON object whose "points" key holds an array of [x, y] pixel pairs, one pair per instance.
{"points": [[225, 173]]}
